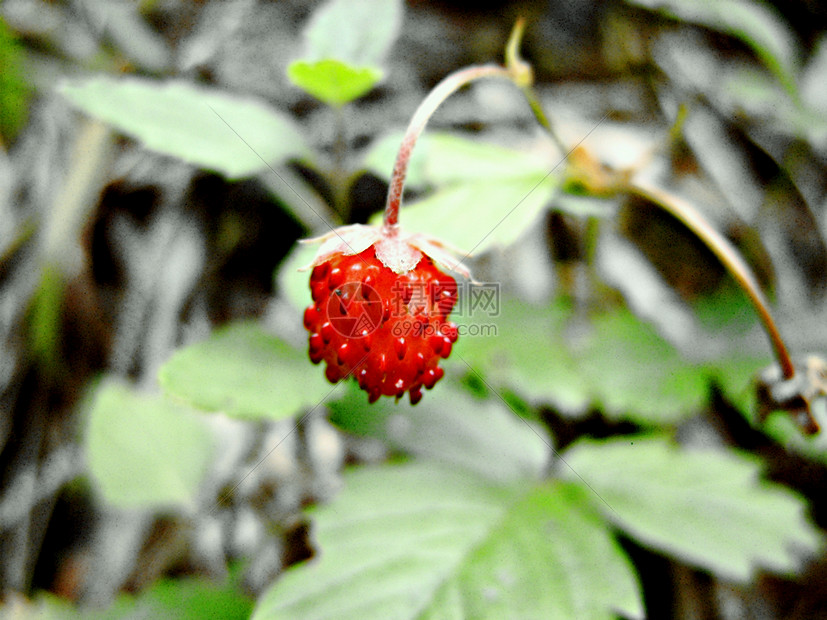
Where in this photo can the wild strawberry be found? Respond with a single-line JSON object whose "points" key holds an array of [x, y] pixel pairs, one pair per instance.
{"points": [[380, 310]]}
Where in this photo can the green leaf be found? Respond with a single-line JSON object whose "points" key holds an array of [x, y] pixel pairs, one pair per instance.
{"points": [[490, 194], [144, 450], [418, 541], [706, 507], [236, 136], [736, 374], [356, 32], [293, 284], [246, 373], [486, 215], [754, 23], [445, 159], [754, 95], [616, 362], [483, 436], [783, 429], [171, 599], [192, 599], [332, 81], [521, 347], [14, 91], [45, 314], [635, 374]]}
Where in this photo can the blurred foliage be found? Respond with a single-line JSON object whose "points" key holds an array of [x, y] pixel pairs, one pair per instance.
{"points": [[14, 91], [345, 46], [572, 429], [209, 128], [173, 599], [122, 424], [466, 172], [244, 372], [415, 540]]}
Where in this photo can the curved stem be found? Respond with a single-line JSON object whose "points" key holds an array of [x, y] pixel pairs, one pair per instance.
{"points": [[523, 76], [440, 93], [730, 258]]}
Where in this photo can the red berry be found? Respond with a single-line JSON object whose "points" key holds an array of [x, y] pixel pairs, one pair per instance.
{"points": [[387, 329]]}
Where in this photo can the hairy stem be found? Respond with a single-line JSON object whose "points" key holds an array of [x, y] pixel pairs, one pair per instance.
{"points": [[730, 258], [440, 93]]}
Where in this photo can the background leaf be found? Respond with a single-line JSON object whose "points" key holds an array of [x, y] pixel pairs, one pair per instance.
{"points": [[526, 353], [236, 136], [706, 507], [293, 284], [445, 158], [754, 23], [333, 81], [345, 45], [171, 599], [144, 450], [492, 194], [634, 374], [419, 541], [245, 372], [545, 353], [453, 427], [14, 91], [356, 32]]}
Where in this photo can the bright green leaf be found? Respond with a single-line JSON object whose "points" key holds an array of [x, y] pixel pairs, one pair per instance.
{"points": [[14, 91], [192, 599], [707, 507], [144, 450], [170, 599], [246, 373], [45, 315], [356, 32], [451, 426], [332, 81], [521, 347], [755, 23], [210, 128], [418, 541]]}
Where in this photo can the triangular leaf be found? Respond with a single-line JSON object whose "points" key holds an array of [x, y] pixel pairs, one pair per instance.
{"points": [[144, 450], [418, 541], [707, 507], [245, 372], [332, 81], [236, 136]]}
